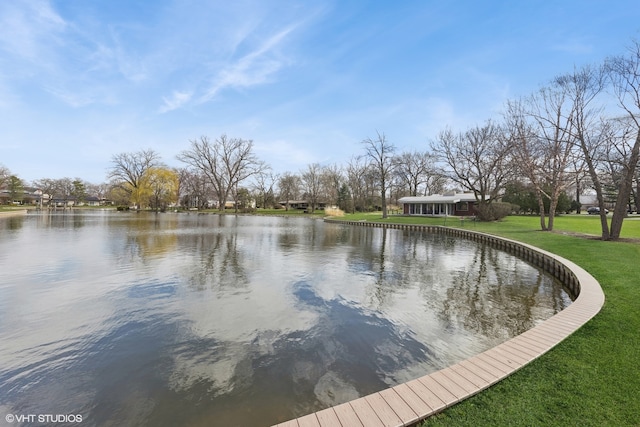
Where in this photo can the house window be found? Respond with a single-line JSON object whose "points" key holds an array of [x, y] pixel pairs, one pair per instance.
{"points": [[462, 206]]}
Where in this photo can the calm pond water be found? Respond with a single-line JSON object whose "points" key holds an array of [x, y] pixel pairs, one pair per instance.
{"points": [[194, 320]]}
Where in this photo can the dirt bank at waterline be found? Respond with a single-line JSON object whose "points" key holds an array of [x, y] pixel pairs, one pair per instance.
{"points": [[4, 214]]}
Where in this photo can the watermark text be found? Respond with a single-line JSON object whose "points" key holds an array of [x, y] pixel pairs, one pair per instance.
{"points": [[43, 418]]}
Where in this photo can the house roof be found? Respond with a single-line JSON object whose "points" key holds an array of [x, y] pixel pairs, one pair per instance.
{"points": [[438, 198]]}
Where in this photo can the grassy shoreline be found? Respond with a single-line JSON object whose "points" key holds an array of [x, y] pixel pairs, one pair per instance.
{"points": [[590, 379]]}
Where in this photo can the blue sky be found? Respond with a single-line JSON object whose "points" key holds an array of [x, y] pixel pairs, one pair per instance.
{"points": [[305, 80]]}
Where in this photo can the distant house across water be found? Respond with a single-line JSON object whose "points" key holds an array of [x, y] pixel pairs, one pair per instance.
{"points": [[459, 204]]}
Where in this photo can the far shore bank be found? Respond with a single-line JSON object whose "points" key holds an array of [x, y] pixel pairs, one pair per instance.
{"points": [[4, 214]]}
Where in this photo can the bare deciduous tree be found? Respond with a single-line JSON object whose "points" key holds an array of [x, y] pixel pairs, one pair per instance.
{"points": [[311, 179], [194, 188], [357, 173], [589, 130], [226, 163], [264, 186], [418, 172], [5, 173], [127, 170], [624, 74], [380, 154], [542, 135], [479, 160], [330, 181], [289, 185]]}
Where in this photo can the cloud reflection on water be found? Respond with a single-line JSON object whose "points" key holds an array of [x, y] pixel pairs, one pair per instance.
{"points": [[183, 319]]}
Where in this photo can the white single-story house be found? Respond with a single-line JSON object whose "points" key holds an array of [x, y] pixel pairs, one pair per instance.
{"points": [[460, 204], [301, 204]]}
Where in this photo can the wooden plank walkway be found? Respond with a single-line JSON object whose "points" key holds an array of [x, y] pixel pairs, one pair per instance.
{"points": [[407, 403]]}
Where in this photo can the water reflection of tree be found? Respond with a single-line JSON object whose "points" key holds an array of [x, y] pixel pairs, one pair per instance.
{"points": [[152, 236], [144, 235], [373, 253], [220, 262], [11, 223], [470, 286], [497, 296], [62, 219]]}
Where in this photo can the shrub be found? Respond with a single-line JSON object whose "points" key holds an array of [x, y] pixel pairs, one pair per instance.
{"points": [[334, 212], [493, 211]]}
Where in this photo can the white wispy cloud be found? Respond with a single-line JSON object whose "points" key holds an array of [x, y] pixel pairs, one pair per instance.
{"points": [[28, 28], [177, 100], [252, 69]]}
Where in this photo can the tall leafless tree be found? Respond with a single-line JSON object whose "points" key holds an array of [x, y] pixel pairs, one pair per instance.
{"points": [[264, 184], [418, 172], [590, 130], [311, 179], [194, 189], [624, 74], [289, 186], [226, 163], [541, 132], [380, 154], [479, 160], [127, 170], [5, 173], [331, 180], [357, 173]]}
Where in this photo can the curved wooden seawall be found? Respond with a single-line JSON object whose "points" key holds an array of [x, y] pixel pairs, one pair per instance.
{"points": [[407, 403]]}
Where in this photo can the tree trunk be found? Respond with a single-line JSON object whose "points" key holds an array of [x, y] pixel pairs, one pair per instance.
{"points": [[578, 191], [543, 223], [383, 198], [620, 210], [552, 212]]}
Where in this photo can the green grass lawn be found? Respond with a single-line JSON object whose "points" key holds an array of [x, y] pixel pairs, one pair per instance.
{"points": [[291, 212], [5, 208], [593, 377]]}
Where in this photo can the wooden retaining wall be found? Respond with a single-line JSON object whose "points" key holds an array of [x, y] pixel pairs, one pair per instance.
{"points": [[545, 260]]}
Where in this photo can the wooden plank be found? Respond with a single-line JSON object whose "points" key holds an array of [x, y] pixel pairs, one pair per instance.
{"points": [[472, 374], [488, 359], [438, 378], [419, 406], [328, 418], [483, 369], [533, 342], [561, 326], [448, 397], [308, 421], [517, 351], [435, 401], [468, 386], [543, 340], [347, 415], [399, 406], [290, 423], [382, 409], [524, 346], [365, 412], [514, 363]]}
